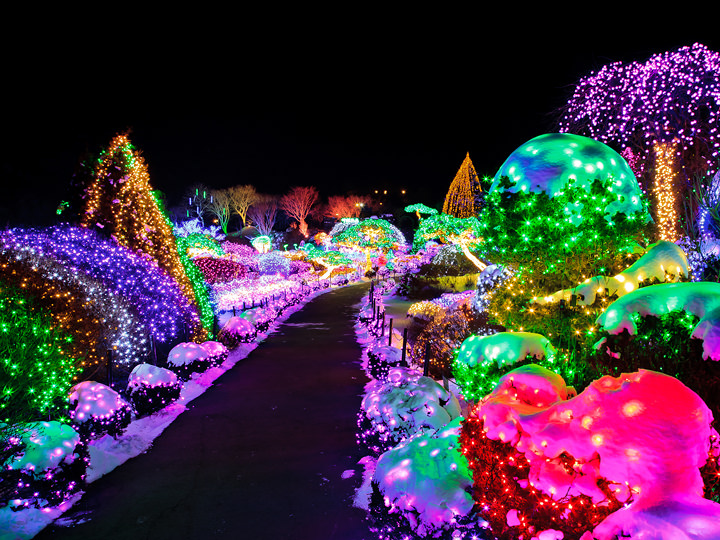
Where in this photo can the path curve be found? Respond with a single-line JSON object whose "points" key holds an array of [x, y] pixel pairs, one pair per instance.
{"points": [[261, 454]]}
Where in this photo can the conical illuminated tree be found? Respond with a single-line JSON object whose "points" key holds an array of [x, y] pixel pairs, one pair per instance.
{"points": [[119, 201], [463, 197]]}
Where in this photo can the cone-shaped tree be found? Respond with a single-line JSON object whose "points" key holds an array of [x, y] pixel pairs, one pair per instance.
{"points": [[463, 197], [120, 202]]}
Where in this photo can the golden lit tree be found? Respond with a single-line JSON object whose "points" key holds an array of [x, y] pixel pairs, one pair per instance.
{"points": [[241, 199], [463, 197], [119, 202]]}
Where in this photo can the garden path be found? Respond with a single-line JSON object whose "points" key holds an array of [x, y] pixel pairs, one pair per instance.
{"points": [[266, 452]]}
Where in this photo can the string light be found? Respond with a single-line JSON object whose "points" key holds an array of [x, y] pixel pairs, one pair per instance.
{"points": [[673, 96], [664, 189], [120, 202], [462, 199]]}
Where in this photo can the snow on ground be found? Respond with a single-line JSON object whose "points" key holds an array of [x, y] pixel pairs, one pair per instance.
{"points": [[107, 453]]}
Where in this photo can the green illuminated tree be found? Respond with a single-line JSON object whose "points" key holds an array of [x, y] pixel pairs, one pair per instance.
{"points": [[370, 236], [465, 233]]}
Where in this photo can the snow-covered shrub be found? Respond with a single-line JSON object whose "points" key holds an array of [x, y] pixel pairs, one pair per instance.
{"points": [[217, 352], [260, 317], [188, 358], [151, 388], [481, 360], [97, 409], [405, 404], [422, 487], [237, 330], [274, 263], [381, 359], [626, 446], [46, 465], [662, 328]]}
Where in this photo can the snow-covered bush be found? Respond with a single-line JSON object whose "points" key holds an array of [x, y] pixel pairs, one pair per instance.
{"points": [[237, 330], [481, 360], [46, 465], [628, 447], [423, 486], [669, 328], [405, 404], [188, 358], [151, 388], [381, 359], [195, 227], [97, 409]]}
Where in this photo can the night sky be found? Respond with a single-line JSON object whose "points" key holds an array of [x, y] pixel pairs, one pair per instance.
{"points": [[342, 111]]}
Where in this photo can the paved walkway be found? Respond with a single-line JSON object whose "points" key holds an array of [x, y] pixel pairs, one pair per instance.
{"points": [[260, 455]]}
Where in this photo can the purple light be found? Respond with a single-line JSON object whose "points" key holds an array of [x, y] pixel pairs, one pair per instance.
{"points": [[155, 296], [672, 96]]}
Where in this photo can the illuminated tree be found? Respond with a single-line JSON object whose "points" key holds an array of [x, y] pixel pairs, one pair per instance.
{"points": [[241, 199], [421, 209], [349, 206], [199, 202], [465, 233], [370, 236], [662, 114], [298, 203], [220, 207], [262, 214], [329, 259], [463, 197], [120, 203]]}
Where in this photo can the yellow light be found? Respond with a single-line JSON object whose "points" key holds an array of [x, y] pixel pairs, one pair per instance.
{"points": [[664, 191]]}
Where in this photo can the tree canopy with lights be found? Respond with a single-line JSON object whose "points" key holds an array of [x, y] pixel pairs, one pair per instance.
{"points": [[465, 233], [663, 116], [371, 235], [419, 209]]}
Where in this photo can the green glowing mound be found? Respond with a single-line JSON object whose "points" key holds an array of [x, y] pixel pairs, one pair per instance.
{"points": [[557, 162]]}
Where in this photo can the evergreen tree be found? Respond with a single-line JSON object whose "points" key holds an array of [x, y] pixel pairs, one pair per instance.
{"points": [[464, 198], [120, 202]]}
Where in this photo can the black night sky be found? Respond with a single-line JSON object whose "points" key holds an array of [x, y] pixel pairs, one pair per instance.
{"points": [[342, 110]]}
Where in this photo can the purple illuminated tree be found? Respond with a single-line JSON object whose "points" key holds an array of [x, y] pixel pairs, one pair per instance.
{"points": [[663, 116]]}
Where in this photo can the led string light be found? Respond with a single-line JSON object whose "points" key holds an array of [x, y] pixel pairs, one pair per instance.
{"points": [[120, 202], [463, 196], [665, 189], [156, 298], [673, 96]]}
